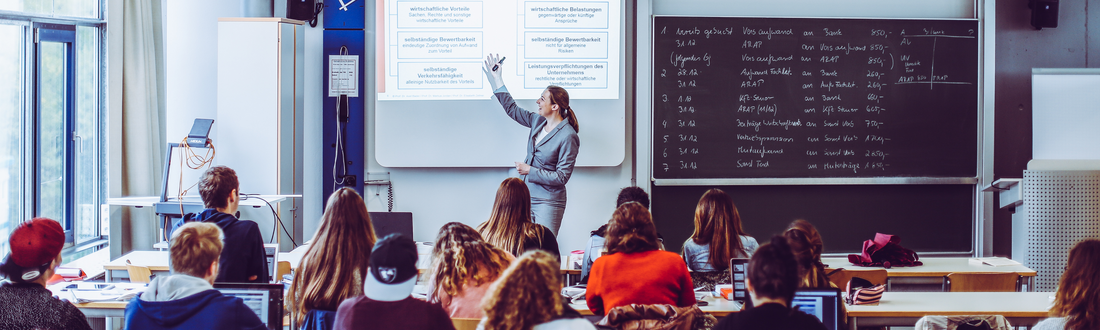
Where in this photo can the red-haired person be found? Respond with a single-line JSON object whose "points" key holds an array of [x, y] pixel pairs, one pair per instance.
{"points": [[1077, 302], [636, 270]]}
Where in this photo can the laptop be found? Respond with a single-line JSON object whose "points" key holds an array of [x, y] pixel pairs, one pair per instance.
{"points": [[386, 223], [821, 303], [266, 300], [738, 273]]}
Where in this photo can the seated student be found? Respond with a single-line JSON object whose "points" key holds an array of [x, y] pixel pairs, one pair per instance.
{"points": [[463, 267], [806, 246], [718, 236], [335, 265], [186, 299], [527, 296], [771, 281], [243, 260], [387, 302], [510, 227], [25, 303], [1076, 306], [594, 248], [635, 271]]}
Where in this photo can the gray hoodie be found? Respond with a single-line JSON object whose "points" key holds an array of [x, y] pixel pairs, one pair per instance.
{"points": [[173, 287]]}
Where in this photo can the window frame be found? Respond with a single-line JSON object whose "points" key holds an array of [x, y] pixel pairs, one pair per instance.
{"points": [[30, 24]]}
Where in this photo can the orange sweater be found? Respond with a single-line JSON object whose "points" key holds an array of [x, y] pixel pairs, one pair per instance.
{"points": [[651, 277]]}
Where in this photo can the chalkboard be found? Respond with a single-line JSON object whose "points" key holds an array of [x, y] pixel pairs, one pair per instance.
{"points": [[814, 98], [928, 218]]}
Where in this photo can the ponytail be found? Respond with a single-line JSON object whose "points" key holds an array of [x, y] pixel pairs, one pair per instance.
{"points": [[560, 97]]}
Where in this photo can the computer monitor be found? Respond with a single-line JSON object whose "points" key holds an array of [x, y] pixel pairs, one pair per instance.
{"points": [[821, 303], [266, 300]]}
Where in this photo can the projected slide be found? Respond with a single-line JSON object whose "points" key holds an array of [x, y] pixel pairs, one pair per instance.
{"points": [[433, 50]]}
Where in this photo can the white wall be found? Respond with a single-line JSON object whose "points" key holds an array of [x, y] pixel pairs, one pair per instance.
{"points": [[439, 195], [192, 75]]}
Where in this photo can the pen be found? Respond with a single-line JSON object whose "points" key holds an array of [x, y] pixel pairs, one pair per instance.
{"points": [[495, 66]]}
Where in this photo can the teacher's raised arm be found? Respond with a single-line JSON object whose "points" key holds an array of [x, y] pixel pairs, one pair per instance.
{"points": [[552, 144]]}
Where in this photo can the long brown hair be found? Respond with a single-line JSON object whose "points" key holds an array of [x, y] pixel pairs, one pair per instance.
{"points": [[335, 265], [461, 258], [631, 230], [510, 223], [806, 245], [1076, 298], [718, 224], [560, 97], [527, 294]]}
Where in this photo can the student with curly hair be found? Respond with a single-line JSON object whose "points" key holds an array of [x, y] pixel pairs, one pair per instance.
{"points": [[463, 268], [1076, 306], [526, 297], [335, 265], [718, 236], [510, 227], [635, 270], [806, 245]]}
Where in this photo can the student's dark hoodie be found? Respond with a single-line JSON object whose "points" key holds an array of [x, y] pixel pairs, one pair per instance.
{"points": [[242, 250], [188, 302]]}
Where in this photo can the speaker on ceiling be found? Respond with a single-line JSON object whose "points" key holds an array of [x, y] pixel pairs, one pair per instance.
{"points": [[301, 10], [1044, 13]]}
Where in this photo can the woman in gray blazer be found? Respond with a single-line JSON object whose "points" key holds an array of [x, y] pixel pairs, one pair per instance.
{"points": [[552, 145]]}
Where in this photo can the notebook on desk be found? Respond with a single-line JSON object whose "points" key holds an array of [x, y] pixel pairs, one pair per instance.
{"points": [[821, 303], [266, 300]]}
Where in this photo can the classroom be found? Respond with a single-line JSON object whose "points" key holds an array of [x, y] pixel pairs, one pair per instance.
{"points": [[958, 127]]}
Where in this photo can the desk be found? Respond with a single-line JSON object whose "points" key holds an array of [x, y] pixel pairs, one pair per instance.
{"points": [[715, 306], [904, 308], [936, 267], [157, 261]]}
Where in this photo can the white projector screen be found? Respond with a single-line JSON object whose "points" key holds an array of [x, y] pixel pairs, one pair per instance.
{"points": [[434, 107]]}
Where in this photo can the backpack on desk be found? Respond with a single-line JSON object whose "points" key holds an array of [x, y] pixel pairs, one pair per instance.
{"points": [[885, 251]]}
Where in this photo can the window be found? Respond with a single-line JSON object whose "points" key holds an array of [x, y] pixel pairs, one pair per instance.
{"points": [[52, 116]]}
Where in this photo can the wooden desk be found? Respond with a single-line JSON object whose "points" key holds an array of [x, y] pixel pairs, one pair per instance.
{"points": [[938, 268], [715, 306], [904, 308], [157, 261]]}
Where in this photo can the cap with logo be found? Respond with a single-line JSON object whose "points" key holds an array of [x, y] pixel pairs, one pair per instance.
{"points": [[34, 244], [392, 269]]}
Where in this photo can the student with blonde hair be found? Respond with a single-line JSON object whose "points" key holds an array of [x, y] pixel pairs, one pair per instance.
{"points": [[186, 299], [463, 268], [1076, 306], [635, 270], [335, 265], [526, 297], [509, 226], [718, 236]]}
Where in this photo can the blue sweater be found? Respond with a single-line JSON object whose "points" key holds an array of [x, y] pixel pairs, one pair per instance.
{"points": [[209, 309], [243, 254]]}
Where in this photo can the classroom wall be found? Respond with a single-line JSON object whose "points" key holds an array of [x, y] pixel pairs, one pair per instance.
{"points": [[1073, 44], [435, 196]]}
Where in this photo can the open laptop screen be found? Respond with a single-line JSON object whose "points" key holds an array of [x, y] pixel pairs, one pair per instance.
{"points": [[266, 300], [822, 303]]}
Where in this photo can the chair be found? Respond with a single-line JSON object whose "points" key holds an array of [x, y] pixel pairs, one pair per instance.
{"points": [[282, 268], [840, 277], [138, 274], [942, 322], [319, 320], [465, 323], [981, 282]]}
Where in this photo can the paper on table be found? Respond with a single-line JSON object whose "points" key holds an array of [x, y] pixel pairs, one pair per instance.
{"points": [[994, 261], [118, 292]]}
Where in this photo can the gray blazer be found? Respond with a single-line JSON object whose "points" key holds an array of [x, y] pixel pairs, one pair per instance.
{"points": [[552, 159]]}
